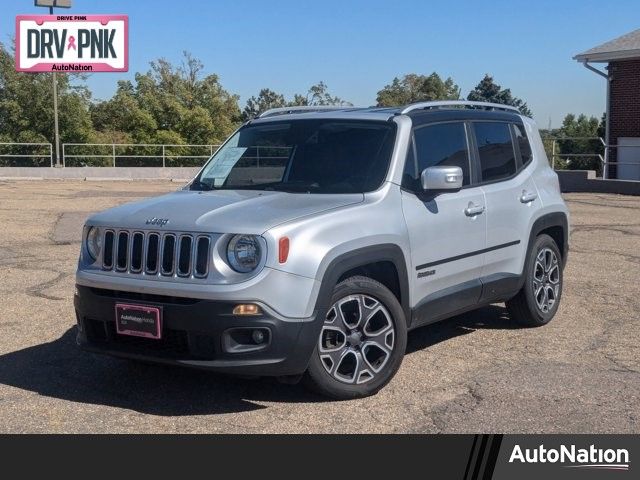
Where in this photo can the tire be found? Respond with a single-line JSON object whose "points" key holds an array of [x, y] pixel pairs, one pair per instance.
{"points": [[533, 307], [362, 341]]}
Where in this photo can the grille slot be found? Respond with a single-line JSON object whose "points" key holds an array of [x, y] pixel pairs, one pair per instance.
{"points": [[123, 251], [153, 248], [155, 253], [107, 257], [137, 246], [202, 257], [168, 254], [184, 256]]}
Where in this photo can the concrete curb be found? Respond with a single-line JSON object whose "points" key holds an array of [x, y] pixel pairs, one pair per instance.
{"points": [[173, 174], [587, 182]]}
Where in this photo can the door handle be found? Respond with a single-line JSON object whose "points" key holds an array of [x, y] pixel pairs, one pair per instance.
{"points": [[527, 197], [472, 210]]}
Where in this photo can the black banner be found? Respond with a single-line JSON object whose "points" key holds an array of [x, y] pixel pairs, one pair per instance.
{"points": [[459, 457]]}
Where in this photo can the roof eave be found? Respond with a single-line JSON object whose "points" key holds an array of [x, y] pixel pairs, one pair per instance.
{"points": [[604, 57]]}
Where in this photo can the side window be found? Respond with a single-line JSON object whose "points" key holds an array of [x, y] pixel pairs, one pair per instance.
{"points": [[523, 143], [497, 156], [443, 144]]}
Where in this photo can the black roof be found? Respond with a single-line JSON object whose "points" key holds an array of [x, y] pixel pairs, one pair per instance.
{"points": [[420, 117], [428, 114]]}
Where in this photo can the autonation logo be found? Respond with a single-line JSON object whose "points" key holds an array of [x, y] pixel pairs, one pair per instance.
{"points": [[573, 457]]}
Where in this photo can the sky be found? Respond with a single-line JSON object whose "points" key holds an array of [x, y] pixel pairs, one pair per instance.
{"points": [[356, 47]]}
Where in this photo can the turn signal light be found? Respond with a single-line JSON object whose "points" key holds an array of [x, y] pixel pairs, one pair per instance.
{"points": [[247, 309], [283, 249]]}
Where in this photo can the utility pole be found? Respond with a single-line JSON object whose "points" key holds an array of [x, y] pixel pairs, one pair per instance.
{"points": [[55, 110], [56, 132]]}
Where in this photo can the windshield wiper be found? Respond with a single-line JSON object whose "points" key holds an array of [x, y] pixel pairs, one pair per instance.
{"points": [[200, 186], [294, 187]]}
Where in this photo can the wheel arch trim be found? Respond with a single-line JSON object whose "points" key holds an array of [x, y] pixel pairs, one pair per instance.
{"points": [[359, 258], [553, 219]]}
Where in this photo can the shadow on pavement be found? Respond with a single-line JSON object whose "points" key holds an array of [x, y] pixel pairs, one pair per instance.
{"points": [[490, 318], [59, 369]]}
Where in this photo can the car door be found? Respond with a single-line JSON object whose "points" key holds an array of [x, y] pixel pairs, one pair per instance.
{"points": [[511, 196], [446, 230]]}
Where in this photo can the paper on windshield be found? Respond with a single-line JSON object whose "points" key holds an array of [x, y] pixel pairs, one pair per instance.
{"points": [[225, 161]]}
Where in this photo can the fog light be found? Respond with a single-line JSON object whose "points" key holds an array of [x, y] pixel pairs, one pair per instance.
{"points": [[257, 336], [247, 309]]}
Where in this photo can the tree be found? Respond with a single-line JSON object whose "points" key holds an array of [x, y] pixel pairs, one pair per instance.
{"points": [[265, 100], [583, 127], [317, 94], [26, 107], [123, 113], [417, 88], [177, 100], [489, 91]]}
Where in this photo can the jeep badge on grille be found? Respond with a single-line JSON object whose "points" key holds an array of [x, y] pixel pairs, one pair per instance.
{"points": [[161, 222]]}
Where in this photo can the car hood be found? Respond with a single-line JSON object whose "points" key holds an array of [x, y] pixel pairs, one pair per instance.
{"points": [[226, 211]]}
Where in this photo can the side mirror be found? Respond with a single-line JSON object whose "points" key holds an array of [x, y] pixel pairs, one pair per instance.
{"points": [[441, 179]]}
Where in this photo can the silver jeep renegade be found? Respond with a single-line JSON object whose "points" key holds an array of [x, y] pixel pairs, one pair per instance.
{"points": [[315, 238]]}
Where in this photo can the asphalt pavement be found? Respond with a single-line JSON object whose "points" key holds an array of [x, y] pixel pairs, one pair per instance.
{"points": [[473, 373]]}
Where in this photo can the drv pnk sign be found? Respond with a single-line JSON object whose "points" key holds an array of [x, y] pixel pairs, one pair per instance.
{"points": [[72, 43]]}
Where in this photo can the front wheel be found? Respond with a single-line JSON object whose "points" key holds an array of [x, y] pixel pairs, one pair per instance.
{"points": [[539, 299], [362, 341]]}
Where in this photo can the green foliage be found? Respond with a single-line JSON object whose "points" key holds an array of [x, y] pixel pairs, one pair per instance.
{"points": [[177, 99], [26, 108], [265, 100], [180, 105], [416, 88], [582, 127], [489, 91], [317, 94], [123, 113]]}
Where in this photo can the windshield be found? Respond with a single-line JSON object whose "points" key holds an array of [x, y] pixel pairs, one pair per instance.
{"points": [[307, 156]]}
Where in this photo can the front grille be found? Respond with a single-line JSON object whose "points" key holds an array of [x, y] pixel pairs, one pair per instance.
{"points": [[152, 253]]}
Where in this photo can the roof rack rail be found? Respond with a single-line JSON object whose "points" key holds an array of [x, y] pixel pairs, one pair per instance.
{"points": [[457, 103], [300, 109]]}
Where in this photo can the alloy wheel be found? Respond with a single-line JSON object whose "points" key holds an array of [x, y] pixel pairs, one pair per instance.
{"points": [[357, 339], [546, 279]]}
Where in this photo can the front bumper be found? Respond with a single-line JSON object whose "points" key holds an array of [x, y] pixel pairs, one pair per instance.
{"points": [[194, 333]]}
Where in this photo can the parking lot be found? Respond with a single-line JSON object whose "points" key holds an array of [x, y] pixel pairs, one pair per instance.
{"points": [[472, 373]]}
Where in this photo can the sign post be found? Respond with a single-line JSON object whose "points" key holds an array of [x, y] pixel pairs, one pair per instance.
{"points": [[51, 4], [70, 43]]}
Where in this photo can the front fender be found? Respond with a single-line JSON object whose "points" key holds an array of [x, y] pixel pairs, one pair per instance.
{"points": [[334, 266]]}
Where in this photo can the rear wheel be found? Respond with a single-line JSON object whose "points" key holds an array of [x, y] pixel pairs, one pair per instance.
{"points": [[538, 300], [362, 341]]}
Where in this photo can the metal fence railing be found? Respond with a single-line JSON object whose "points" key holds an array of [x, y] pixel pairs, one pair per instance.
{"points": [[135, 155], [173, 155], [603, 156], [26, 154]]}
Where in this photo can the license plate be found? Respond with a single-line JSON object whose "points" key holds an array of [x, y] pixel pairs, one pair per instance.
{"points": [[139, 320]]}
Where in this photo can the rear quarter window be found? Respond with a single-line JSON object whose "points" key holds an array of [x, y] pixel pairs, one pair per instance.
{"points": [[495, 147], [523, 143]]}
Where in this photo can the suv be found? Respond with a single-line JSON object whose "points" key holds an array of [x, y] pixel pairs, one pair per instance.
{"points": [[315, 238]]}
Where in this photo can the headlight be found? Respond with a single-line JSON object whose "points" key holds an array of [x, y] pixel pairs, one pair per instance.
{"points": [[94, 242], [244, 253]]}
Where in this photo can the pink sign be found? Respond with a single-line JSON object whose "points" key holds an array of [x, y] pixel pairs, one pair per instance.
{"points": [[72, 43]]}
